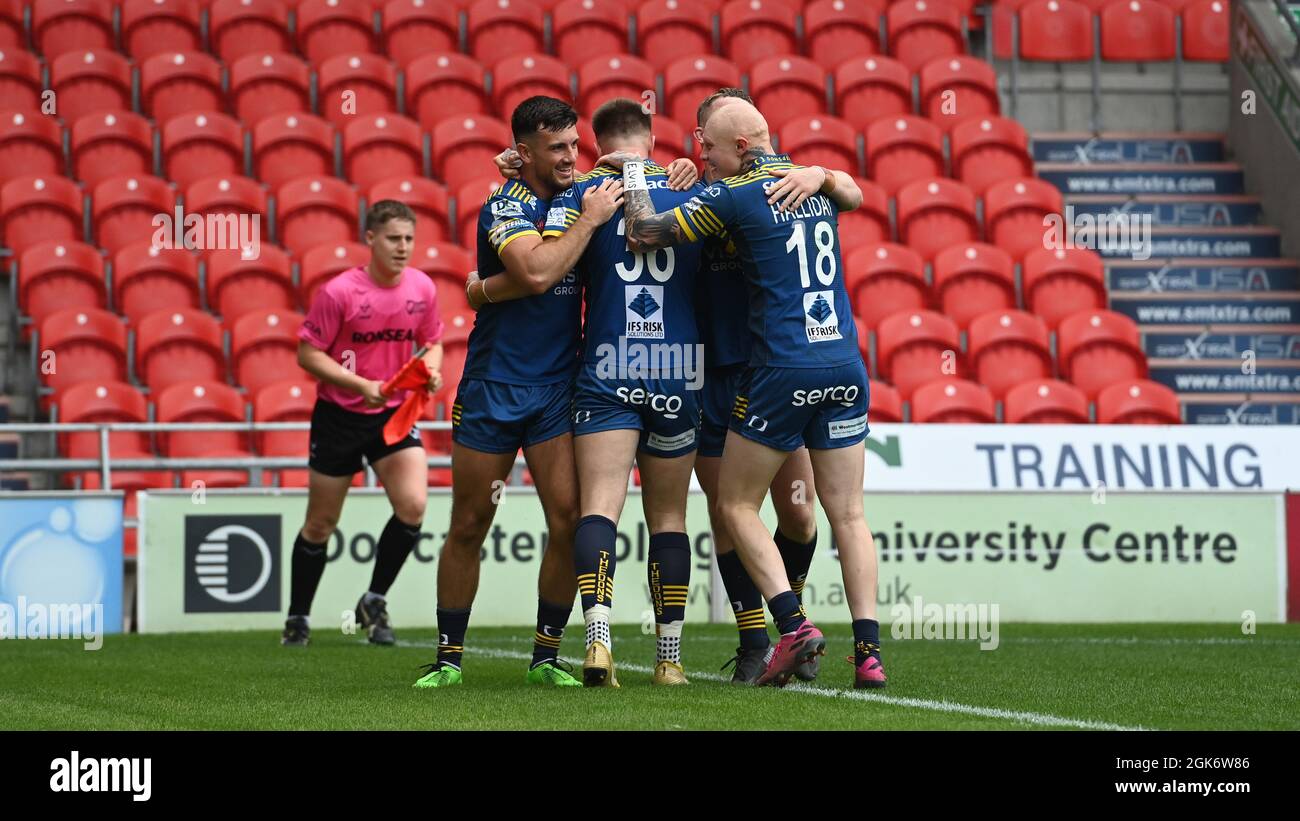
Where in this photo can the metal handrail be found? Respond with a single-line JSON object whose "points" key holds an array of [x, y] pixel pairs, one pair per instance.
{"points": [[1285, 11]]}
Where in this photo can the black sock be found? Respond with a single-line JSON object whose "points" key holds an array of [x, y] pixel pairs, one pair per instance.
{"points": [[866, 640], [395, 544], [668, 569], [306, 567], [551, 619], [451, 634], [797, 557], [787, 612], [746, 602], [593, 559]]}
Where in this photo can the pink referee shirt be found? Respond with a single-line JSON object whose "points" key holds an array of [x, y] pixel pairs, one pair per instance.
{"points": [[380, 326]]}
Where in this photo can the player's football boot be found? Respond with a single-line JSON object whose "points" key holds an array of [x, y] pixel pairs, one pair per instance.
{"points": [[793, 649], [870, 674], [748, 664], [440, 674], [552, 673], [374, 618], [296, 632], [667, 672], [808, 670], [598, 667]]}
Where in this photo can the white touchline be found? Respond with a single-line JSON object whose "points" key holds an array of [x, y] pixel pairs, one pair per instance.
{"points": [[1041, 719]]}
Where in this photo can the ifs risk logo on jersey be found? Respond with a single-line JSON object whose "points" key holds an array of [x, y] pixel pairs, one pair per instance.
{"points": [[645, 311], [819, 319]]}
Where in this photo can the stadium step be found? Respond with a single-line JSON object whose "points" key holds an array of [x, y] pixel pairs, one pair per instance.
{"points": [[1196, 343], [1123, 147], [1239, 409], [1174, 211], [1206, 275], [1144, 178], [1272, 309], [1278, 380], [1216, 243]]}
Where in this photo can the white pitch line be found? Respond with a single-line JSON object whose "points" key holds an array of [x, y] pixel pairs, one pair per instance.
{"points": [[1040, 719]]}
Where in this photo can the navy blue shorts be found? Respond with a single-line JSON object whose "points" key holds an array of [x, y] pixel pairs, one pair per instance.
{"points": [[823, 408], [666, 411], [717, 399], [494, 417]]}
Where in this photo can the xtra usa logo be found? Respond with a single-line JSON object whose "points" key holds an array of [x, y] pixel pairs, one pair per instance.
{"points": [[416, 306]]}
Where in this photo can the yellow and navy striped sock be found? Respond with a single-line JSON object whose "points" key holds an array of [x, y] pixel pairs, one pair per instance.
{"points": [[866, 640], [797, 558], [746, 602], [668, 569], [551, 619], [594, 560], [452, 625]]}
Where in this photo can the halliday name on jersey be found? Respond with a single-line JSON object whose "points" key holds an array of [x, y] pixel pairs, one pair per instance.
{"points": [[821, 323]]}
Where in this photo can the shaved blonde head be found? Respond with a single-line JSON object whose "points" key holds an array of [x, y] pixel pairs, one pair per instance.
{"points": [[732, 132]]}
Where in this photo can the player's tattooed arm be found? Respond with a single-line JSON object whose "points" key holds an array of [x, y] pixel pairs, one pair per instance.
{"points": [[647, 230]]}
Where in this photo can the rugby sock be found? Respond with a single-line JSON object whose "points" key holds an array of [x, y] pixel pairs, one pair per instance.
{"points": [[593, 559], [451, 635], [787, 612], [668, 568], [306, 567], [395, 544], [866, 640], [746, 602], [551, 619], [797, 558]]}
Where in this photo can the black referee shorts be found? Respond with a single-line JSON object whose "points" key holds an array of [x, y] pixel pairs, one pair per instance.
{"points": [[339, 438]]}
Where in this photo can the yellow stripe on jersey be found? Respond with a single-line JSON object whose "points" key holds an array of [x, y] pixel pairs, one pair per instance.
{"points": [[516, 235]]}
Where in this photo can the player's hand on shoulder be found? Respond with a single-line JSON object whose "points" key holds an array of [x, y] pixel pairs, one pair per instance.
{"points": [[601, 201], [795, 185], [508, 163], [682, 174], [373, 393], [615, 159]]}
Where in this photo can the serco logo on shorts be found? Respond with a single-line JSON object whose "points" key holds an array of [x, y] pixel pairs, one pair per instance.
{"points": [[846, 395], [669, 406]]}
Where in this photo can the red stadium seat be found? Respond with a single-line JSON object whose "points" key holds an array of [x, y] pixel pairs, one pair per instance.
{"points": [[586, 29], [239, 283], [935, 214], [839, 30], [104, 401], [315, 210], [902, 150], [60, 26], [87, 344], [520, 76], [172, 84], [1058, 282], [1137, 31], [886, 405], [669, 30], [29, 144], [413, 28], [152, 27], [324, 262], [689, 80], [787, 88], [915, 347], [89, 82], [12, 34], [356, 86], [1138, 402], [177, 345], [1099, 348], [951, 401], [587, 155], [605, 78], [109, 144], [500, 28], [821, 140], [437, 442], [123, 209], [1056, 31], [379, 146], [670, 140], [232, 195], [265, 84], [755, 29], [1205, 31], [1006, 348], [292, 146], [200, 145], [971, 279], [239, 28], [334, 27], [288, 400], [921, 30], [455, 345], [884, 279], [956, 88], [869, 222], [1014, 211], [1045, 402], [470, 198], [148, 279], [55, 276], [204, 402], [425, 197], [870, 89], [34, 209], [988, 149], [439, 86], [20, 80], [463, 148], [264, 348], [448, 266]]}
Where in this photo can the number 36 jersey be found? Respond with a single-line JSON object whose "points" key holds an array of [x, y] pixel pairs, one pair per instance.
{"points": [[799, 313], [647, 299]]}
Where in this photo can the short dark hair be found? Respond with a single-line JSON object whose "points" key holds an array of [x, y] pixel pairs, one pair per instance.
{"points": [[541, 114], [620, 117], [738, 93], [382, 211]]}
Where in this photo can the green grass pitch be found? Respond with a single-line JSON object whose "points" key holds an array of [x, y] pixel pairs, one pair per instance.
{"points": [[1042, 676]]}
